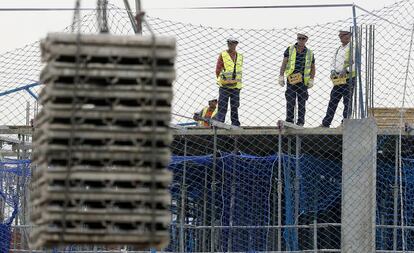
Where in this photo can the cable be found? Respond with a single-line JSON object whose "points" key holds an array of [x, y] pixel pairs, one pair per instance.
{"points": [[269, 7], [46, 9], [75, 21]]}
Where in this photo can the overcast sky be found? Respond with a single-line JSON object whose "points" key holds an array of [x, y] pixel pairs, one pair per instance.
{"points": [[21, 28]]}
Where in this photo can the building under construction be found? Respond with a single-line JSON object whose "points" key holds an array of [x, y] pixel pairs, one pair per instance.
{"points": [[101, 154]]}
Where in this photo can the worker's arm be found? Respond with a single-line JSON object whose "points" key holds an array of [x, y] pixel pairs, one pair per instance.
{"points": [[219, 65], [283, 67], [313, 71]]}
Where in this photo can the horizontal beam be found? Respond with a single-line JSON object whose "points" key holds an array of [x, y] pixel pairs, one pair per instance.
{"points": [[24, 87], [26, 130], [191, 131], [272, 6]]}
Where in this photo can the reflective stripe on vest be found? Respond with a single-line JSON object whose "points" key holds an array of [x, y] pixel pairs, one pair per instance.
{"points": [[290, 68], [227, 72], [347, 61], [203, 115]]}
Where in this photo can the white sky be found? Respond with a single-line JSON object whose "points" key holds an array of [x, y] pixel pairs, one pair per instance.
{"points": [[21, 28]]}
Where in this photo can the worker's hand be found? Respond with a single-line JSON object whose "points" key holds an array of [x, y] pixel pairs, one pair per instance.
{"points": [[196, 117], [282, 81], [310, 83], [333, 74]]}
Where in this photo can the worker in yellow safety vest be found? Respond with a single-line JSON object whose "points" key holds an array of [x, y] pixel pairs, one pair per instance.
{"points": [[343, 78], [229, 78], [207, 113], [299, 67]]}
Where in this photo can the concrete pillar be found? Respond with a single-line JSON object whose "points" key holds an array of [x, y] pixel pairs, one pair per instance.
{"points": [[359, 158]]}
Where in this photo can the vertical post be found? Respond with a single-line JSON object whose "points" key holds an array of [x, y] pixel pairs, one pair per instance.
{"points": [[133, 20], [359, 154], [358, 64], [279, 194], [205, 197], [372, 65], [232, 197], [315, 235], [139, 16], [354, 98], [297, 195], [27, 113], [138, 5], [367, 67], [183, 198], [274, 181], [213, 190], [395, 196]]}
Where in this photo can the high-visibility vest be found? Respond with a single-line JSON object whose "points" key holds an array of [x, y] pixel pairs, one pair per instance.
{"points": [[292, 61], [204, 115], [347, 61], [228, 70]]}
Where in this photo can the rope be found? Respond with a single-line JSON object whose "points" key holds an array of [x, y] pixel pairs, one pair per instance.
{"points": [[75, 22]]}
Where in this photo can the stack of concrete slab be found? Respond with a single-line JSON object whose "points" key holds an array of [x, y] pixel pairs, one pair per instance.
{"points": [[101, 141]]}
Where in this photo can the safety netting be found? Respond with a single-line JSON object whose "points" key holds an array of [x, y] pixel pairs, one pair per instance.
{"points": [[264, 187], [244, 208], [14, 176]]}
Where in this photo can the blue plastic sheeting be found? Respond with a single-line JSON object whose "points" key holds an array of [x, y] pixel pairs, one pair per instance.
{"points": [[387, 189], [245, 191], [14, 175]]}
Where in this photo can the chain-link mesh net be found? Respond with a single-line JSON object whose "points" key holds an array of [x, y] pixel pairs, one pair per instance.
{"points": [[266, 187], [14, 175]]}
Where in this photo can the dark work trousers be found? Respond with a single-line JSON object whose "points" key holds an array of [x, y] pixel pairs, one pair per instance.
{"points": [[224, 95], [340, 91], [293, 91]]}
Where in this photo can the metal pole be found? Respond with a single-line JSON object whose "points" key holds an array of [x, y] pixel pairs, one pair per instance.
{"points": [[297, 174], [183, 193], [139, 15], [358, 64], [367, 67], [138, 6], [353, 96], [315, 235], [279, 193], [373, 67], [130, 16], [204, 235], [27, 113], [232, 197], [395, 195], [274, 203], [213, 190]]}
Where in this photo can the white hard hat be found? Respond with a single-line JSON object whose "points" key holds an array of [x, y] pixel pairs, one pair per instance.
{"points": [[232, 38], [345, 30], [302, 34]]}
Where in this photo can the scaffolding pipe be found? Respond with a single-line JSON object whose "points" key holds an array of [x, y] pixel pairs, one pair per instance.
{"points": [[315, 235], [183, 193], [358, 64], [297, 175], [395, 195], [213, 190], [279, 192]]}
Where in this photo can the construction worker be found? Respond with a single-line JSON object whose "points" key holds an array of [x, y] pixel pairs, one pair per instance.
{"points": [[208, 112], [299, 67], [343, 78], [229, 78]]}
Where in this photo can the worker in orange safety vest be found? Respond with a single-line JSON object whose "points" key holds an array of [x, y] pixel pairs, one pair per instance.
{"points": [[207, 113]]}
